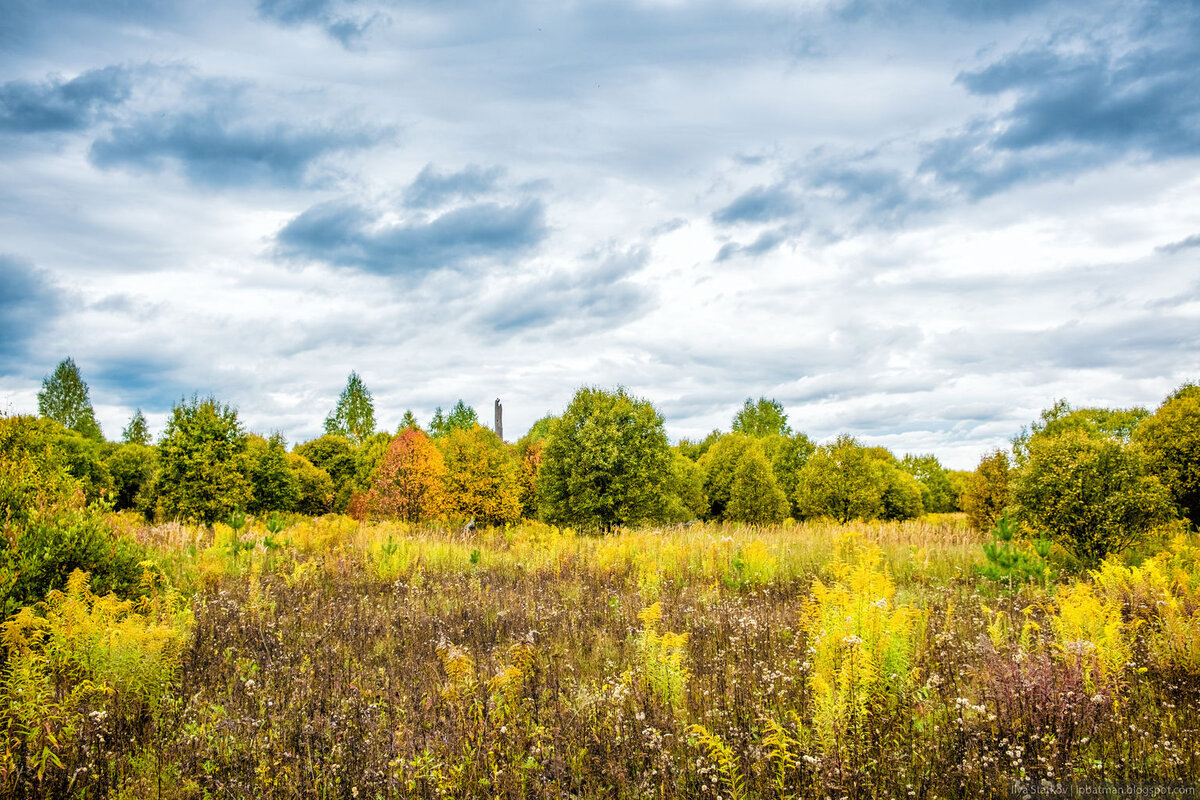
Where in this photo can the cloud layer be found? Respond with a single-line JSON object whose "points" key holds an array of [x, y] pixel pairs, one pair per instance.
{"points": [[917, 222]]}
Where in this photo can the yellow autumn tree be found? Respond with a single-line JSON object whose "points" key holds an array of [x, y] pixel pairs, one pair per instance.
{"points": [[531, 461], [482, 477]]}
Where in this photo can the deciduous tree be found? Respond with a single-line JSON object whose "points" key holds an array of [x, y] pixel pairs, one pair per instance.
{"points": [[334, 454], [410, 481], [606, 462], [482, 476], [787, 459], [720, 464], [354, 416], [685, 490], [762, 418], [754, 495], [1171, 441], [316, 487], [274, 486], [937, 495], [1118, 423], [987, 492], [901, 492], [202, 462], [840, 481], [64, 398], [133, 467], [1090, 493]]}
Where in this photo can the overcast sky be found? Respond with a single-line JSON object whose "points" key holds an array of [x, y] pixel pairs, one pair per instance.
{"points": [[916, 222]]}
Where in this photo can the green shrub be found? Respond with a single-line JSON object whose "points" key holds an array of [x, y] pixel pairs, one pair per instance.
{"points": [[1091, 494], [49, 529]]}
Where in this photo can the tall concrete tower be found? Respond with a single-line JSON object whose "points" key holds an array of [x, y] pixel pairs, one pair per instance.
{"points": [[499, 419]]}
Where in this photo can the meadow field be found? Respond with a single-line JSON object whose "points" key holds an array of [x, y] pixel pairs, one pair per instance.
{"points": [[332, 658]]}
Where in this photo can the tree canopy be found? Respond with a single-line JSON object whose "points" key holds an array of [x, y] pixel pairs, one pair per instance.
{"points": [[987, 491], [482, 476], [137, 431], [202, 462], [274, 485], [606, 462], [762, 418], [64, 398], [720, 464], [1092, 494], [937, 495], [1119, 423], [840, 480], [1171, 441], [754, 494], [409, 483], [461, 418], [354, 416]]}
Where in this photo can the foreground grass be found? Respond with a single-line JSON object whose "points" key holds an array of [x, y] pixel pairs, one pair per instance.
{"points": [[333, 659]]}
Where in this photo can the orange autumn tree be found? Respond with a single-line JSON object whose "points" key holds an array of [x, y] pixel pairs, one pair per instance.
{"points": [[482, 477], [410, 481]]}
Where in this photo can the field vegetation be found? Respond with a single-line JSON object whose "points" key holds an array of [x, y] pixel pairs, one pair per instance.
{"points": [[592, 612]]}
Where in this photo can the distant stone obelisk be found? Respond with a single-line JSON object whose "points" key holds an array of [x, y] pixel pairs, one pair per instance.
{"points": [[499, 419]]}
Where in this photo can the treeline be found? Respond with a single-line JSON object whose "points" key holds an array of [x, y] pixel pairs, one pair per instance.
{"points": [[606, 461], [1096, 479]]}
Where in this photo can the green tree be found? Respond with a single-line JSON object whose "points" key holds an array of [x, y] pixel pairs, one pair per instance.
{"points": [[958, 479], [1119, 423], [695, 449], [133, 467], [137, 431], [482, 476], [462, 417], [202, 462], [539, 431], [937, 495], [840, 480], [368, 457], [720, 465], [1091, 493], [1171, 441], [754, 495], [762, 418], [273, 484], [901, 492], [409, 420], [316, 487], [685, 490], [84, 459], [987, 493], [334, 454], [64, 398], [606, 462], [354, 416], [788, 458]]}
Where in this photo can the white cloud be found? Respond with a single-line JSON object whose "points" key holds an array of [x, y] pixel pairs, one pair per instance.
{"points": [[876, 299]]}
